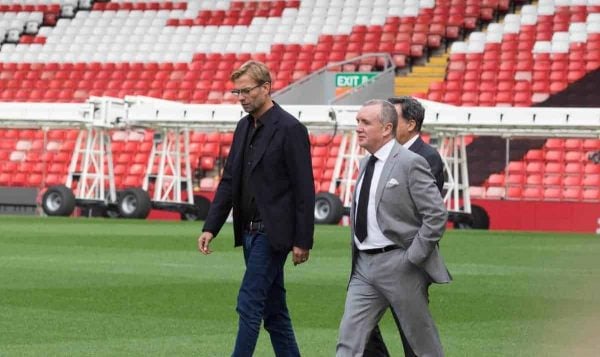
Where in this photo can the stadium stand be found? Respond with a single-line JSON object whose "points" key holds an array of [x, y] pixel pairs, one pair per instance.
{"points": [[524, 59], [185, 50], [486, 53]]}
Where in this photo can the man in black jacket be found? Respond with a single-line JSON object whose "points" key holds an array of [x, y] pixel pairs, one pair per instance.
{"points": [[268, 182], [410, 120]]}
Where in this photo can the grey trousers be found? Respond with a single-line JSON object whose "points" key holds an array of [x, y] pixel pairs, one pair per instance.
{"points": [[380, 281]]}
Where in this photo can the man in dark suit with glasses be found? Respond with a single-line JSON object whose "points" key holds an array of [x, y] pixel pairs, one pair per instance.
{"points": [[268, 182]]}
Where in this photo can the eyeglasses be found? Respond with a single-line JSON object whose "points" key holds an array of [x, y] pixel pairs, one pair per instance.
{"points": [[245, 91]]}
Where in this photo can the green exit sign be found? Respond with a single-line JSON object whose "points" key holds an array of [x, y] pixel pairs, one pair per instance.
{"points": [[353, 79]]}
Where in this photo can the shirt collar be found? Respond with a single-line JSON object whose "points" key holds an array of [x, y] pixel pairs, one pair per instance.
{"points": [[409, 143], [265, 116], [384, 151]]}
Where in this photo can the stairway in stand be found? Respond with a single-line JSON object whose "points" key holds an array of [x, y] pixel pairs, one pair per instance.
{"points": [[418, 80]]}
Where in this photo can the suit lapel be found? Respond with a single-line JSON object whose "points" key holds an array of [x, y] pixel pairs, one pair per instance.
{"points": [[386, 171], [362, 166]]}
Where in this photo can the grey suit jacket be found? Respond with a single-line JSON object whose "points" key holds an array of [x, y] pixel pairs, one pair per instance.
{"points": [[410, 210]]}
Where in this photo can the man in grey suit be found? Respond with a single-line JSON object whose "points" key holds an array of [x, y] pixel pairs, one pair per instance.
{"points": [[410, 120], [396, 223]]}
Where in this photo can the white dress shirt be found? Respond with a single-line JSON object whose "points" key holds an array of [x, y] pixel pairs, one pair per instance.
{"points": [[375, 238]]}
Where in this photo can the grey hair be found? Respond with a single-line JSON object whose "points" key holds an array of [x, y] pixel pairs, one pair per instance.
{"points": [[387, 114], [411, 109]]}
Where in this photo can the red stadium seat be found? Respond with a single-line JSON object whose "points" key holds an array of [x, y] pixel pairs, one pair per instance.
{"points": [[319, 151], [534, 167], [487, 99], [574, 156], [554, 143], [552, 180], [496, 180], [533, 179], [571, 193], [532, 193], [514, 192], [515, 179], [207, 163], [573, 144], [574, 168], [554, 168], [591, 144], [516, 167], [591, 180], [552, 193], [5, 179], [572, 180], [534, 155], [591, 194], [210, 149]]}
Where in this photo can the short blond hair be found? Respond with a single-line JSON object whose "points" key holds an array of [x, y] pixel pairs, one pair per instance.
{"points": [[258, 71]]}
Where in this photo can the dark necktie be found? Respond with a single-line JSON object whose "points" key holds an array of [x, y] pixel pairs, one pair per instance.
{"points": [[363, 201]]}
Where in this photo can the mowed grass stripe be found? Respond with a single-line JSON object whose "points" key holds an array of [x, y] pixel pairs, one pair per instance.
{"points": [[121, 288]]}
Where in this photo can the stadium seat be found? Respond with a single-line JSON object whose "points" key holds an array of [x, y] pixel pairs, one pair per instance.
{"points": [[591, 168], [477, 192], [555, 168], [572, 180], [571, 193], [495, 192], [590, 194], [553, 155], [514, 192], [591, 180], [496, 180], [591, 144], [533, 180], [5, 179], [532, 193], [574, 156], [515, 179], [534, 167], [207, 163], [575, 168], [573, 144], [552, 193], [516, 167], [534, 155], [552, 180]]}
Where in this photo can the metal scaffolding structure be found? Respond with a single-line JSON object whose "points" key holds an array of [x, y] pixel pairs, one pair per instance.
{"points": [[91, 171]]}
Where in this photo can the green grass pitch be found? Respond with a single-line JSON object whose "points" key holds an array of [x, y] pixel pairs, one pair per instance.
{"points": [[95, 287]]}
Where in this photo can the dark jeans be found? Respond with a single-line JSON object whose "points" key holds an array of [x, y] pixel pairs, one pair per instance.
{"points": [[262, 298]]}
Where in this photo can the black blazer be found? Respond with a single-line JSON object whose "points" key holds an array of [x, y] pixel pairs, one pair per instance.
{"points": [[433, 158], [281, 178]]}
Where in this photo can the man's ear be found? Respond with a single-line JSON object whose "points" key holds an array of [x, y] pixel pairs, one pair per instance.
{"points": [[412, 125], [388, 127]]}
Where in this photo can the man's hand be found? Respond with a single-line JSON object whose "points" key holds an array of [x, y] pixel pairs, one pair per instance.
{"points": [[204, 243], [299, 255]]}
